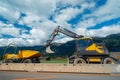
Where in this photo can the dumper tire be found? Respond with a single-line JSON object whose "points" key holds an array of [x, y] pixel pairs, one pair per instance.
{"points": [[109, 60], [36, 60], [79, 61], [9, 61], [27, 61]]}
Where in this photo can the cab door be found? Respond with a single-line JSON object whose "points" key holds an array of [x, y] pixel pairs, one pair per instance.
{"points": [[81, 46]]}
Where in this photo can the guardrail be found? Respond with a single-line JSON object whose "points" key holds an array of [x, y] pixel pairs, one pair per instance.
{"points": [[83, 68]]}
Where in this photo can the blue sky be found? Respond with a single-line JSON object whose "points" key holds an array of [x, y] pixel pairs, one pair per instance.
{"points": [[30, 22]]}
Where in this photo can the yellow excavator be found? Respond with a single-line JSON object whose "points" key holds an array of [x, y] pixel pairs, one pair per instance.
{"points": [[23, 56], [86, 52]]}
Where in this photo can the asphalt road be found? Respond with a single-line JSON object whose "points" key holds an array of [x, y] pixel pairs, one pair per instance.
{"points": [[5, 75]]}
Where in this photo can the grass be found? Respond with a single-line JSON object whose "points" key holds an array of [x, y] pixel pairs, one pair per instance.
{"points": [[54, 60], [0, 61]]}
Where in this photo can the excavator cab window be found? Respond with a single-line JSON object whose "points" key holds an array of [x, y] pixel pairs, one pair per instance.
{"points": [[82, 44]]}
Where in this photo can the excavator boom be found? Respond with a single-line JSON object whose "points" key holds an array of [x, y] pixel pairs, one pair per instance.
{"points": [[63, 31]]}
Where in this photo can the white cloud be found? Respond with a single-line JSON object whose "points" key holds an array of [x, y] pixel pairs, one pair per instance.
{"points": [[106, 12], [66, 15], [5, 25], [81, 31], [101, 32], [20, 41], [42, 8], [37, 33], [87, 23], [30, 19], [71, 12], [111, 9], [38, 13], [9, 13], [106, 30], [36, 37], [8, 29], [63, 40], [70, 2]]}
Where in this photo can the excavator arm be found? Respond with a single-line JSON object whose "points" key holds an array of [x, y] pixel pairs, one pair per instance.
{"points": [[63, 31]]}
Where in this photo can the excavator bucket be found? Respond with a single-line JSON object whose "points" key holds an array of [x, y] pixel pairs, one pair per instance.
{"points": [[48, 50]]}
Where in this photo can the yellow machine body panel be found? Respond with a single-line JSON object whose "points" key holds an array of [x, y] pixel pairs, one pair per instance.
{"points": [[28, 54], [9, 56], [95, 48], [94, 59], [24, 54]]}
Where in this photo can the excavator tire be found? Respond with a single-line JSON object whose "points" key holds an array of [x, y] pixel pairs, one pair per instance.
{"points": [[109, 60], [79, 61], [27, 61]]}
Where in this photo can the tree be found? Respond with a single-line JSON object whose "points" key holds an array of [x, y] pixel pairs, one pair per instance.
{"points": [[0, 57]]}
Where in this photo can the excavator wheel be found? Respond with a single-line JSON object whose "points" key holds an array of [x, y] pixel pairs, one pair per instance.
{"points": [[79, 61], [27, 61], [109, 60]]}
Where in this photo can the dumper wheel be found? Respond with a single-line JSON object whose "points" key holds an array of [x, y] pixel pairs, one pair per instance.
{"points": [[9, 61], [27, 61], [36, 60], [79, 61], [109, 61]]}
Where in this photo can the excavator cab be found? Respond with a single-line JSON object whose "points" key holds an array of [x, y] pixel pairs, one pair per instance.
{"points": [[83, 43], [86, 46]]}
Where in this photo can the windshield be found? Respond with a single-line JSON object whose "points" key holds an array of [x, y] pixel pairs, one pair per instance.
{"points": [[84, 43]]}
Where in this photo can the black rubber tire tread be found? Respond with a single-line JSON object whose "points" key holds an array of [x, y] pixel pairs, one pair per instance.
{"points": [[27, 61], [36, 60], [79, 61], [9, 61], [109, 60]]}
